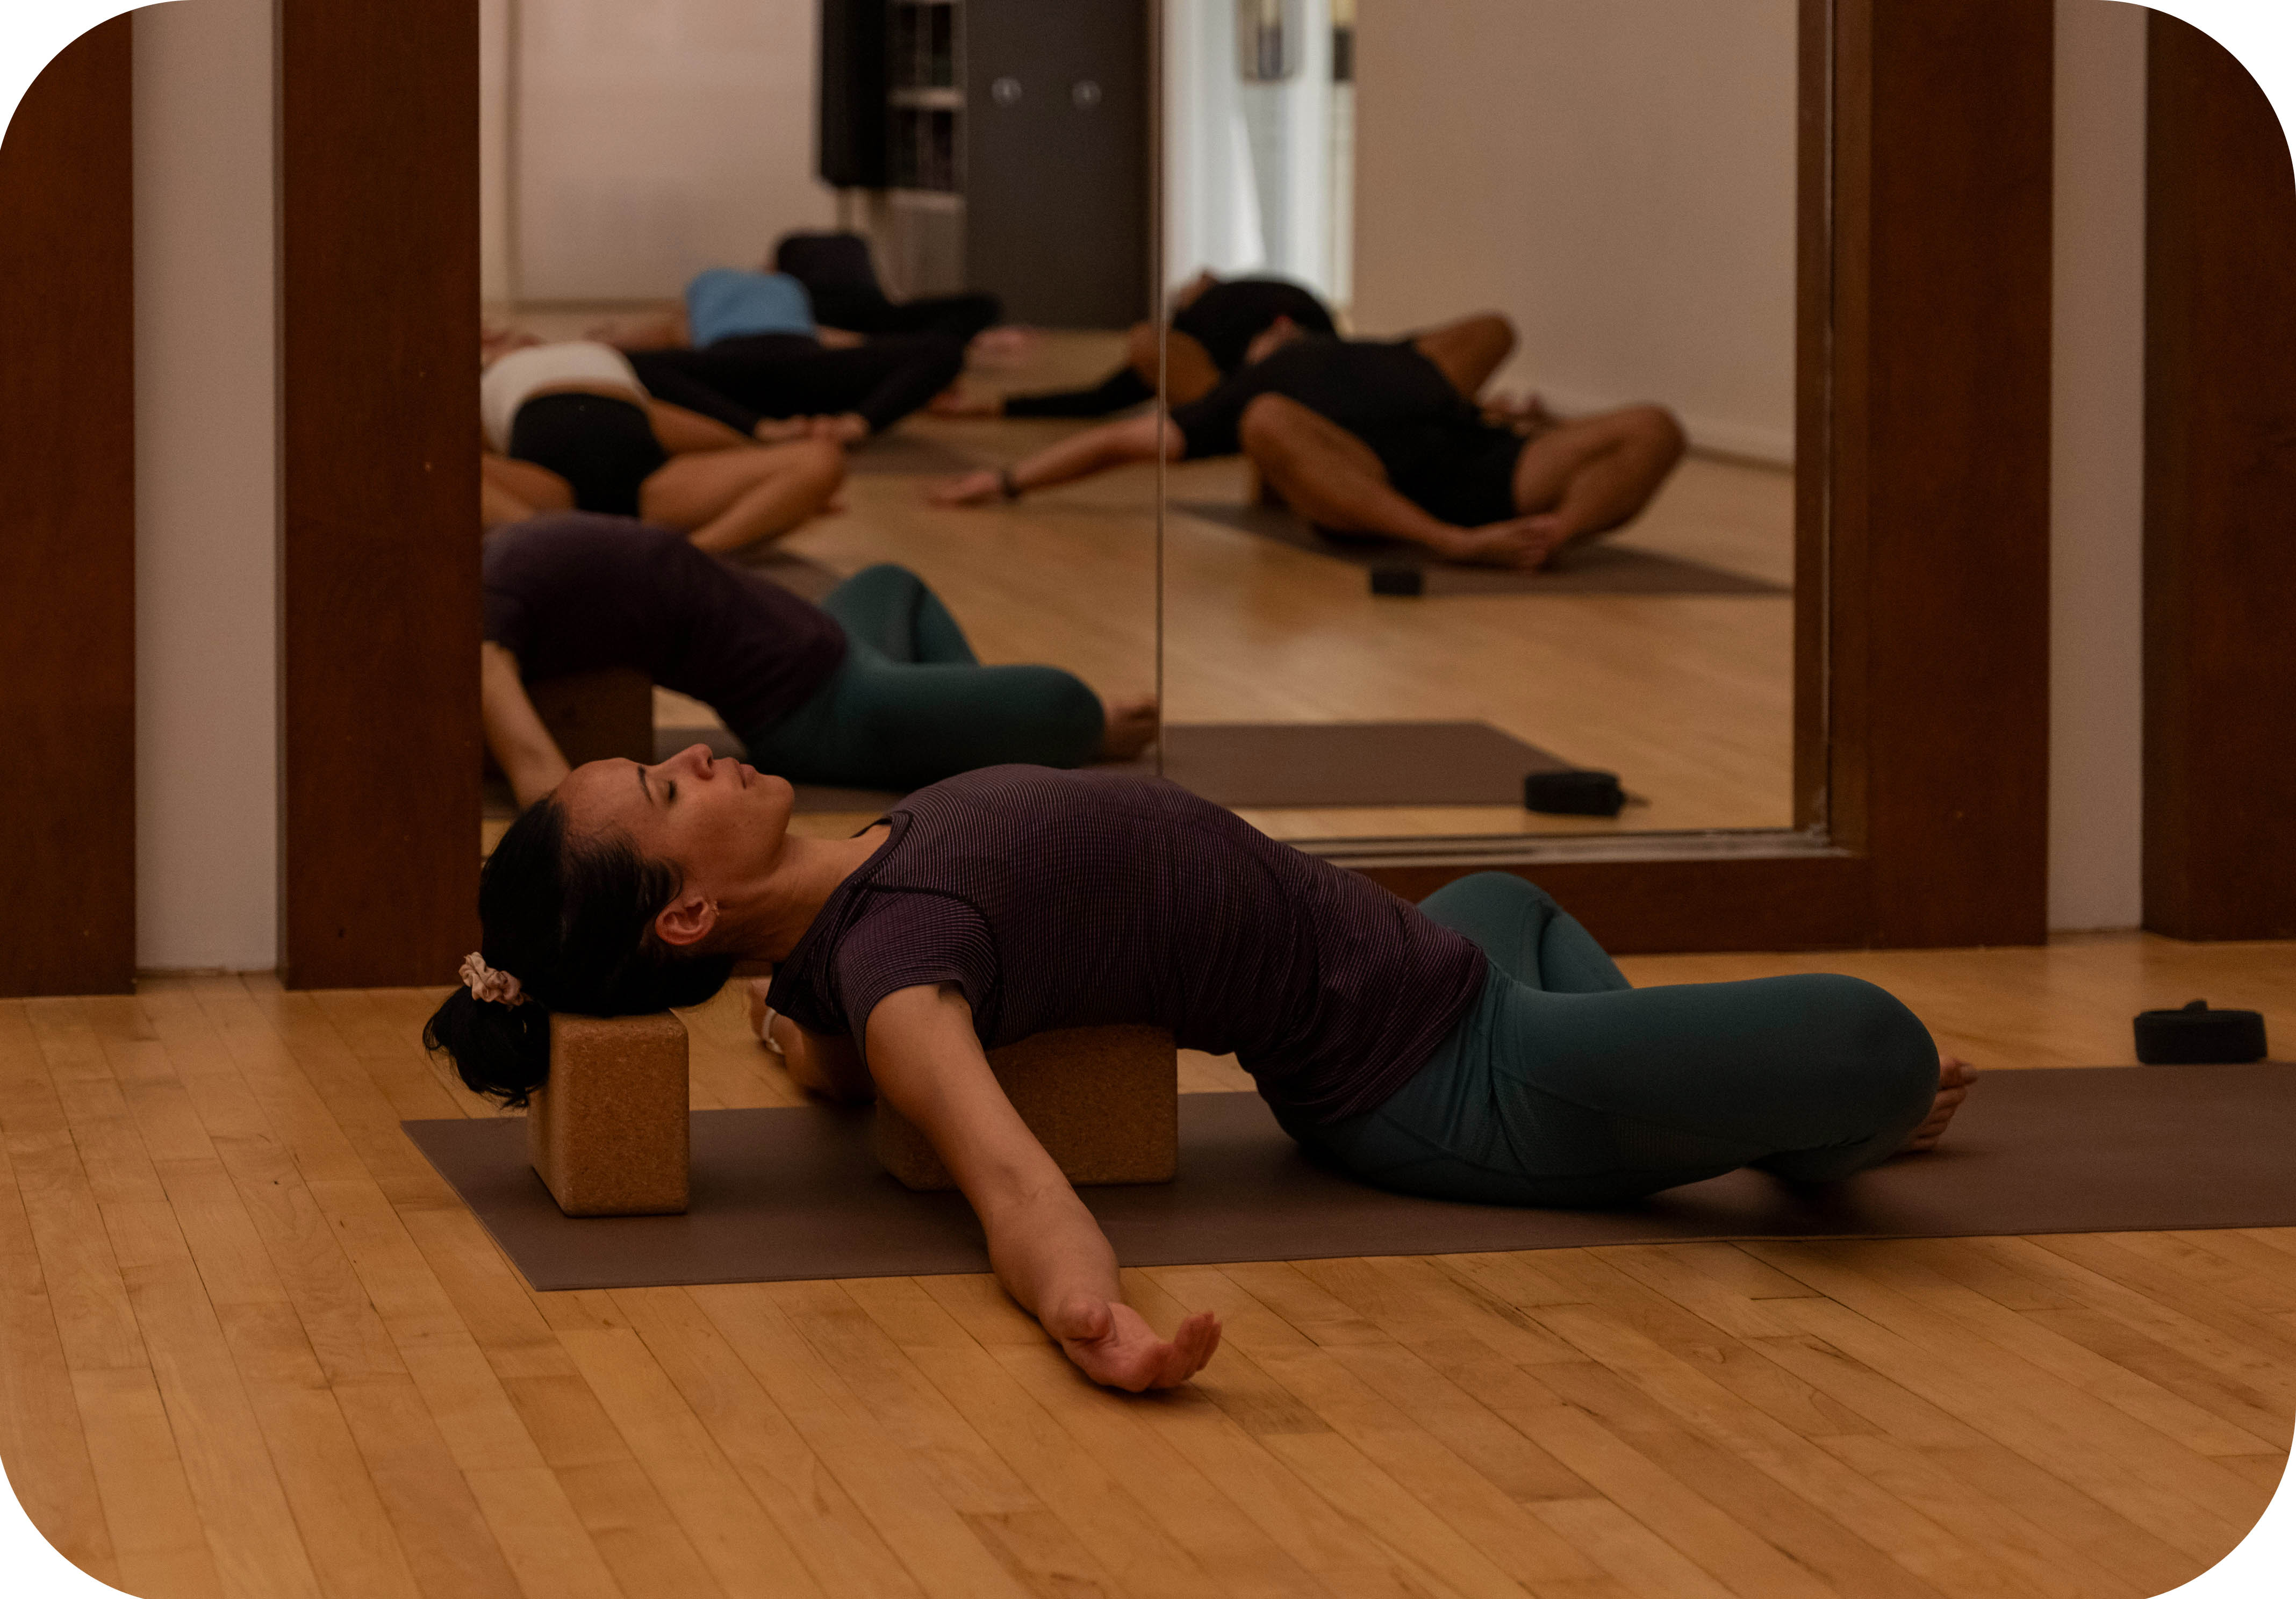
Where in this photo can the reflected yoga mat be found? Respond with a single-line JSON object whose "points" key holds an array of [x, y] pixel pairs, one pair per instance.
{"points": [[1280, 764], [1600, 567], [795, 1192]]}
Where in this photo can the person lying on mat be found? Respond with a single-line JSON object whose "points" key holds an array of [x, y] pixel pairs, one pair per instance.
{"points": [[569, 425], [748, 339], [1480, 1046], [1214, 324], [1386, 440], [841, 280], [873, 688]]}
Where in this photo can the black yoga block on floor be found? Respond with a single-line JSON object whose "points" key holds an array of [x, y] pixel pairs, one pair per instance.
{"points": [[1574, 793], [2197, 1035], [1397, 578]]}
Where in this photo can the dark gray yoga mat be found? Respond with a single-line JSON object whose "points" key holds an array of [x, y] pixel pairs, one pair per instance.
{"points": [[1600, 567], [1280, 764], [796, 1194]]}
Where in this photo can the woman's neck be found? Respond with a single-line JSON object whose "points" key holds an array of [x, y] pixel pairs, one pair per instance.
{"points": [[808, 872]]}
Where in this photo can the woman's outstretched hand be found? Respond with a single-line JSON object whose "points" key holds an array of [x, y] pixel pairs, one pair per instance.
{"points": [[973, 488], [1113, 1345]]}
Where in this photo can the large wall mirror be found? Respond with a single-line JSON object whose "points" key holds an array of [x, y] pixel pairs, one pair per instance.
{"points": [[913, 235], [1477, 327], [1510, 492]]}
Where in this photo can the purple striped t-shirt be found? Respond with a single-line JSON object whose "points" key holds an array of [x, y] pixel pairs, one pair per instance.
{"points": [[1085, 899]]}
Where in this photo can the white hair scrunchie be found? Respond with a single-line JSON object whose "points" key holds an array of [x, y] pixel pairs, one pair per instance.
{"points": [[485, 983]]}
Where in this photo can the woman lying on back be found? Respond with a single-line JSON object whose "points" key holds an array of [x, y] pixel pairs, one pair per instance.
{"points": [[1480, 1046]]}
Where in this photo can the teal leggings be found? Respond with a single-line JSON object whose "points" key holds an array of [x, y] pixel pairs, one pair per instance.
{"points": [[1563, 1086], [912, 704]]}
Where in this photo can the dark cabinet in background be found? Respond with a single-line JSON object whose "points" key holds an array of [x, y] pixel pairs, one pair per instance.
{"points": [[1007, 143]]}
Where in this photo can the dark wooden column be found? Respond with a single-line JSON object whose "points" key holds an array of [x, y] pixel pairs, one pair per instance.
{"points": [[68, 531], [379, 571], [2220, 499], [1940, 494]]}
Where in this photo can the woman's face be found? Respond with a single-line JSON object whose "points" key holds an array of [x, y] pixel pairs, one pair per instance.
{"points": [[721, 823]]}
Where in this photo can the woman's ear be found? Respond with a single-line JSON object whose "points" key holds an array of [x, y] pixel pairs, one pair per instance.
{"points": [[685, 921]]}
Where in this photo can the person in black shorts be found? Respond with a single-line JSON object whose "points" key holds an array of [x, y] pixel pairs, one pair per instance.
{"points": [[1386, 439], [1215, 325]]}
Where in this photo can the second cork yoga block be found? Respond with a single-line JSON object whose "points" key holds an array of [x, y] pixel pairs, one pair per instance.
{"points": [[609, 1133], [1103, 1101]]}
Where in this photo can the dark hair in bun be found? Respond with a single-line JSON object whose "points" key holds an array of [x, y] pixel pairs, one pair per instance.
{"points": [[572, 919]]}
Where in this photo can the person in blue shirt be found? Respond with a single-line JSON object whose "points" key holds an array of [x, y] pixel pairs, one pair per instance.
{"points": [[745, 349]]}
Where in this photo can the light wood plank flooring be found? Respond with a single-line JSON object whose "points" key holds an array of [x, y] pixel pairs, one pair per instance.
{"points": [[250, 1344]]}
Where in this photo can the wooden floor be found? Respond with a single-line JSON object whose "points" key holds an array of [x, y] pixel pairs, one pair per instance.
{"points": [[250, 1344]]}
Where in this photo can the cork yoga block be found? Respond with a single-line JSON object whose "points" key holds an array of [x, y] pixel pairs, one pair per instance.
{"points": [[607, 1133], [1103, 1101]]}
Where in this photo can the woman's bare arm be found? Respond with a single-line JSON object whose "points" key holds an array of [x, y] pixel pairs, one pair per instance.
{"points": [[1094, 450], [520, 744], [1047, 1251], [818, 1062]]}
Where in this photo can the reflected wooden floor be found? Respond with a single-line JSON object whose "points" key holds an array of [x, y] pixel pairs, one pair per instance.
{"points": [[250, 1344], [1688, 697]]}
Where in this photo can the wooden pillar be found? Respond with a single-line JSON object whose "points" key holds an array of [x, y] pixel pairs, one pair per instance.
{"points": [[68, 535], [379, 566], [2220, 499]]}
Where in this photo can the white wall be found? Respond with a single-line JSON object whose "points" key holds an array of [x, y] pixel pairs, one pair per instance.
{"points": [[2097, 474], [653, 140], [206, 495], [1617, 176]]}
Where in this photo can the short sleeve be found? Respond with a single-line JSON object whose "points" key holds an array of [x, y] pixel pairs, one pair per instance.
{"points": [[1209, 426], [903, 940]]}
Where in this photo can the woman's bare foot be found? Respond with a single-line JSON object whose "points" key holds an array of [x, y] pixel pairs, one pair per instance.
{"points": [[973, 488], [962, 400], [1525, 543], [1954, 1078], [781, 429], [849, 427], [1131, 728]]}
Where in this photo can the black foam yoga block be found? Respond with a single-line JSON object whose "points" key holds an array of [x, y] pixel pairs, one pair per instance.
{"points": [[1581, 793], [2197, 1035]]}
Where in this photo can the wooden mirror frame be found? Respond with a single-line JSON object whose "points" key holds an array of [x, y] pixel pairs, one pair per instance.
{"points": [[1923, 442]]}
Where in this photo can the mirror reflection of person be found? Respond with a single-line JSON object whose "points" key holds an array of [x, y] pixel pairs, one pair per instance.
{"points": [[1478, 1047], [746, 343], [840, 279], [876, 687], [569, 426], [1385, 438], [1214, 324]]}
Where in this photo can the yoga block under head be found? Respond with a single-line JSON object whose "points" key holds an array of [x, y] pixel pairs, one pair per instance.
{"points": [[609, 1132], [597, 715], [1103, 1101]]}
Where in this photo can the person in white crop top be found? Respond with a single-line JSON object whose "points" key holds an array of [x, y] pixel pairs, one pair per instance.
{"points": [[569, 426]]}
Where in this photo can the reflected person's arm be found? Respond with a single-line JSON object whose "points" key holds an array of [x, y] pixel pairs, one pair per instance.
{"points": [[520, 744], [1094, 450]]}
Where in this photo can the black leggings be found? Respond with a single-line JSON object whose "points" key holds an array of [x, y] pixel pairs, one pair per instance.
{"points": [[604, 447], [862, 308], [750, 376]]}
